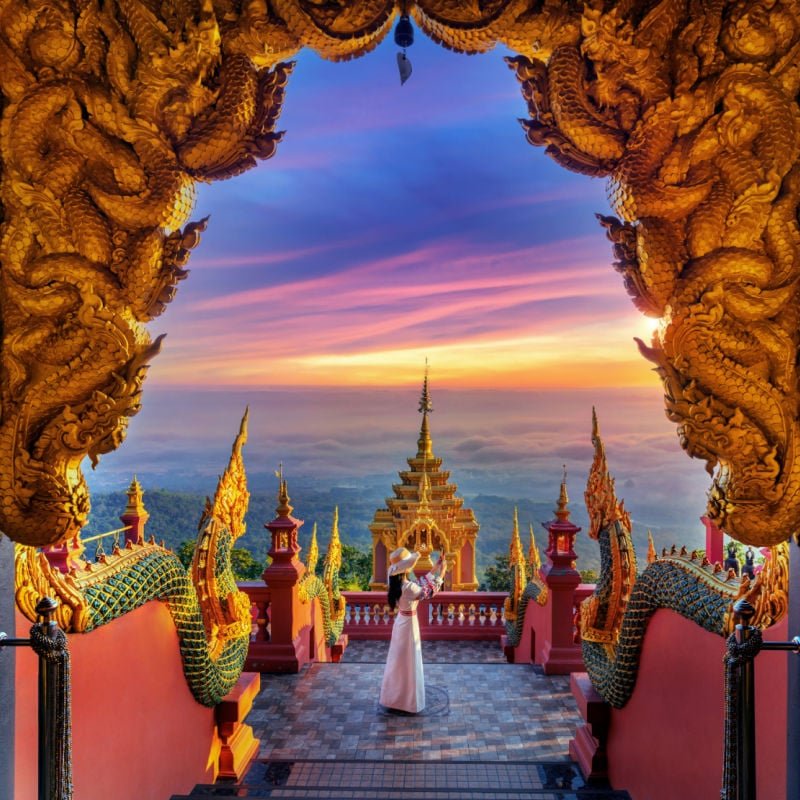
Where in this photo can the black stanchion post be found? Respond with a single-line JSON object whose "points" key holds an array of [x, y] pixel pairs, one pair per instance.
{"points": [[746, 718], [55, 720], [45, 608]]}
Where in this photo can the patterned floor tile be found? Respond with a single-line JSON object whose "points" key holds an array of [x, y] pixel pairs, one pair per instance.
{"points": [[477, 711], [371, 652]]}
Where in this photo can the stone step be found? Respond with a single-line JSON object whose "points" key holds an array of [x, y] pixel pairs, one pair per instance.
{"points": [[405, 780]]}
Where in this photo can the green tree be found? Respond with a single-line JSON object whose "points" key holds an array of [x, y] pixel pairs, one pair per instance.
{"points": [[245, 566], [497, 576], [356, 569], [588, 576], [186, 553]]}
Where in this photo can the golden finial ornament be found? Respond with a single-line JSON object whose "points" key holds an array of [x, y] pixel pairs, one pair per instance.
{"points": [[330, 570], [516, 563], [425, 444], [652, 555], [135, 499], [284, 509], [313, 552], [562, 510], [534, 558], [425, 404], [335, 544]]}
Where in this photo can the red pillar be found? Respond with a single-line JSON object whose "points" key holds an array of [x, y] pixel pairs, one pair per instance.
{"points": [[289, 645], [560, 654], [713, 541]]}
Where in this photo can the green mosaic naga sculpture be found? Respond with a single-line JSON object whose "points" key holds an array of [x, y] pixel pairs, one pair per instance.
{"points": [[326, 589], [613, 621], [211, 615]]}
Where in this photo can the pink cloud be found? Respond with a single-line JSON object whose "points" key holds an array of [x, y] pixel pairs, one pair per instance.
{"points": [[390, 277]]}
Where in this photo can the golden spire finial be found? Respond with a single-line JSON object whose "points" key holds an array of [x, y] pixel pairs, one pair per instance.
{"points": [[425, 404], [515, 551], [651, 548], [283, 509], [424, 443], [534, 559], [333, 563], [335, 526], [600, 495], [313, 552], [562, 512], [135, 501]]}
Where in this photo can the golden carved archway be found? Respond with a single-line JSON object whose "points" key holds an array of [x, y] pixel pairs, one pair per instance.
{"points": [[111, 111]]}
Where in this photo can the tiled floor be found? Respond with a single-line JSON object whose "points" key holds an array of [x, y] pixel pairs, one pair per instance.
{"points": [[369, 652], [476, 711], [490, 731]]}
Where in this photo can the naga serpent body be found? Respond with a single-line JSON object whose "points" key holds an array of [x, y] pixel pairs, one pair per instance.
{"points": [[211, 615], [613, 621]]}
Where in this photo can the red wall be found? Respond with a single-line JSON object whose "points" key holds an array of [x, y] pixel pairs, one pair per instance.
{"points": [[666, 743], [137, 731]]}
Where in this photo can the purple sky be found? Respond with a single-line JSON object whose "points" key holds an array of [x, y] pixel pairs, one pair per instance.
{"points": [[394, 224]]}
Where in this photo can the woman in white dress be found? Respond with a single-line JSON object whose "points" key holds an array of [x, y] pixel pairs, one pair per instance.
{"points": [[403, 687]]}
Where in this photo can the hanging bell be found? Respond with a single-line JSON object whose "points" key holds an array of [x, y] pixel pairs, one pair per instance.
{"points": [[404, 37], [404, 32]]}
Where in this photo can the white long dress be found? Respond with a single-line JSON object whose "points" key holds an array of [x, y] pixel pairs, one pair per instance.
{"points": [[403, 686]]}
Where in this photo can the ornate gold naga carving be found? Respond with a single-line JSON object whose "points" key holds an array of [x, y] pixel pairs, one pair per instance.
{"points": [[225, 609], [111, 112], [601, 614], [517, 565], [330, 571], [333, 602], [690, 110], [615, 617]]}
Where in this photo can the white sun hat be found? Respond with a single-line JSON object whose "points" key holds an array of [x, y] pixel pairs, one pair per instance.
{"points": [[401, 560]]}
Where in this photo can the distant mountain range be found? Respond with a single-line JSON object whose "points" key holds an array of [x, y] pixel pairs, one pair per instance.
{"points": [[174, 516]]}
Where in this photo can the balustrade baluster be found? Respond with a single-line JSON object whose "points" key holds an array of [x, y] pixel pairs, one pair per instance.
{"points": [[262, 621]]}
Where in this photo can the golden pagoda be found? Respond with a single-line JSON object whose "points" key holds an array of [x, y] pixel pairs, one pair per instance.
{"points": [[426, 516]]}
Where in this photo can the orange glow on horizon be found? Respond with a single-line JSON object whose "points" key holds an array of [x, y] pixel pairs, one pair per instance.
{"points": [[588, 355]]}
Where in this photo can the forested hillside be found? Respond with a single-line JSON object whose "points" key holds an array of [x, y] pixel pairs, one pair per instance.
{"points": [[174, 517]]}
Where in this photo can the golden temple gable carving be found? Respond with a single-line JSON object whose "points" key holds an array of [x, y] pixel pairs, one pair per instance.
{"points": [[112, 111]]}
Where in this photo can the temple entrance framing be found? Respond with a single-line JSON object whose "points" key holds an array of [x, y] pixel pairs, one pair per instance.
{"points": [[111, 112]]}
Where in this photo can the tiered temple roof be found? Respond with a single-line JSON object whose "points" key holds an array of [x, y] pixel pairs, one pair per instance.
{"points": [[426, 515]]}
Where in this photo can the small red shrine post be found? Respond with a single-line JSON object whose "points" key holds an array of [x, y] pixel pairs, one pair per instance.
{"points": [[561, 654], [135, 516], [289, 646]]}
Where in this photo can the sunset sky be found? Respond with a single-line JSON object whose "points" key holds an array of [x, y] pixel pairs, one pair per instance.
{"points": [[397, 224]]}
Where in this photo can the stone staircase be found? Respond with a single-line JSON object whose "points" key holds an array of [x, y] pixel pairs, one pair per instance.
{"points": [[409, 780]]}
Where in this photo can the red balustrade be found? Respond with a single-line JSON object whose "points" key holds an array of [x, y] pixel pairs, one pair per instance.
{"points": [[258, 593]]}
